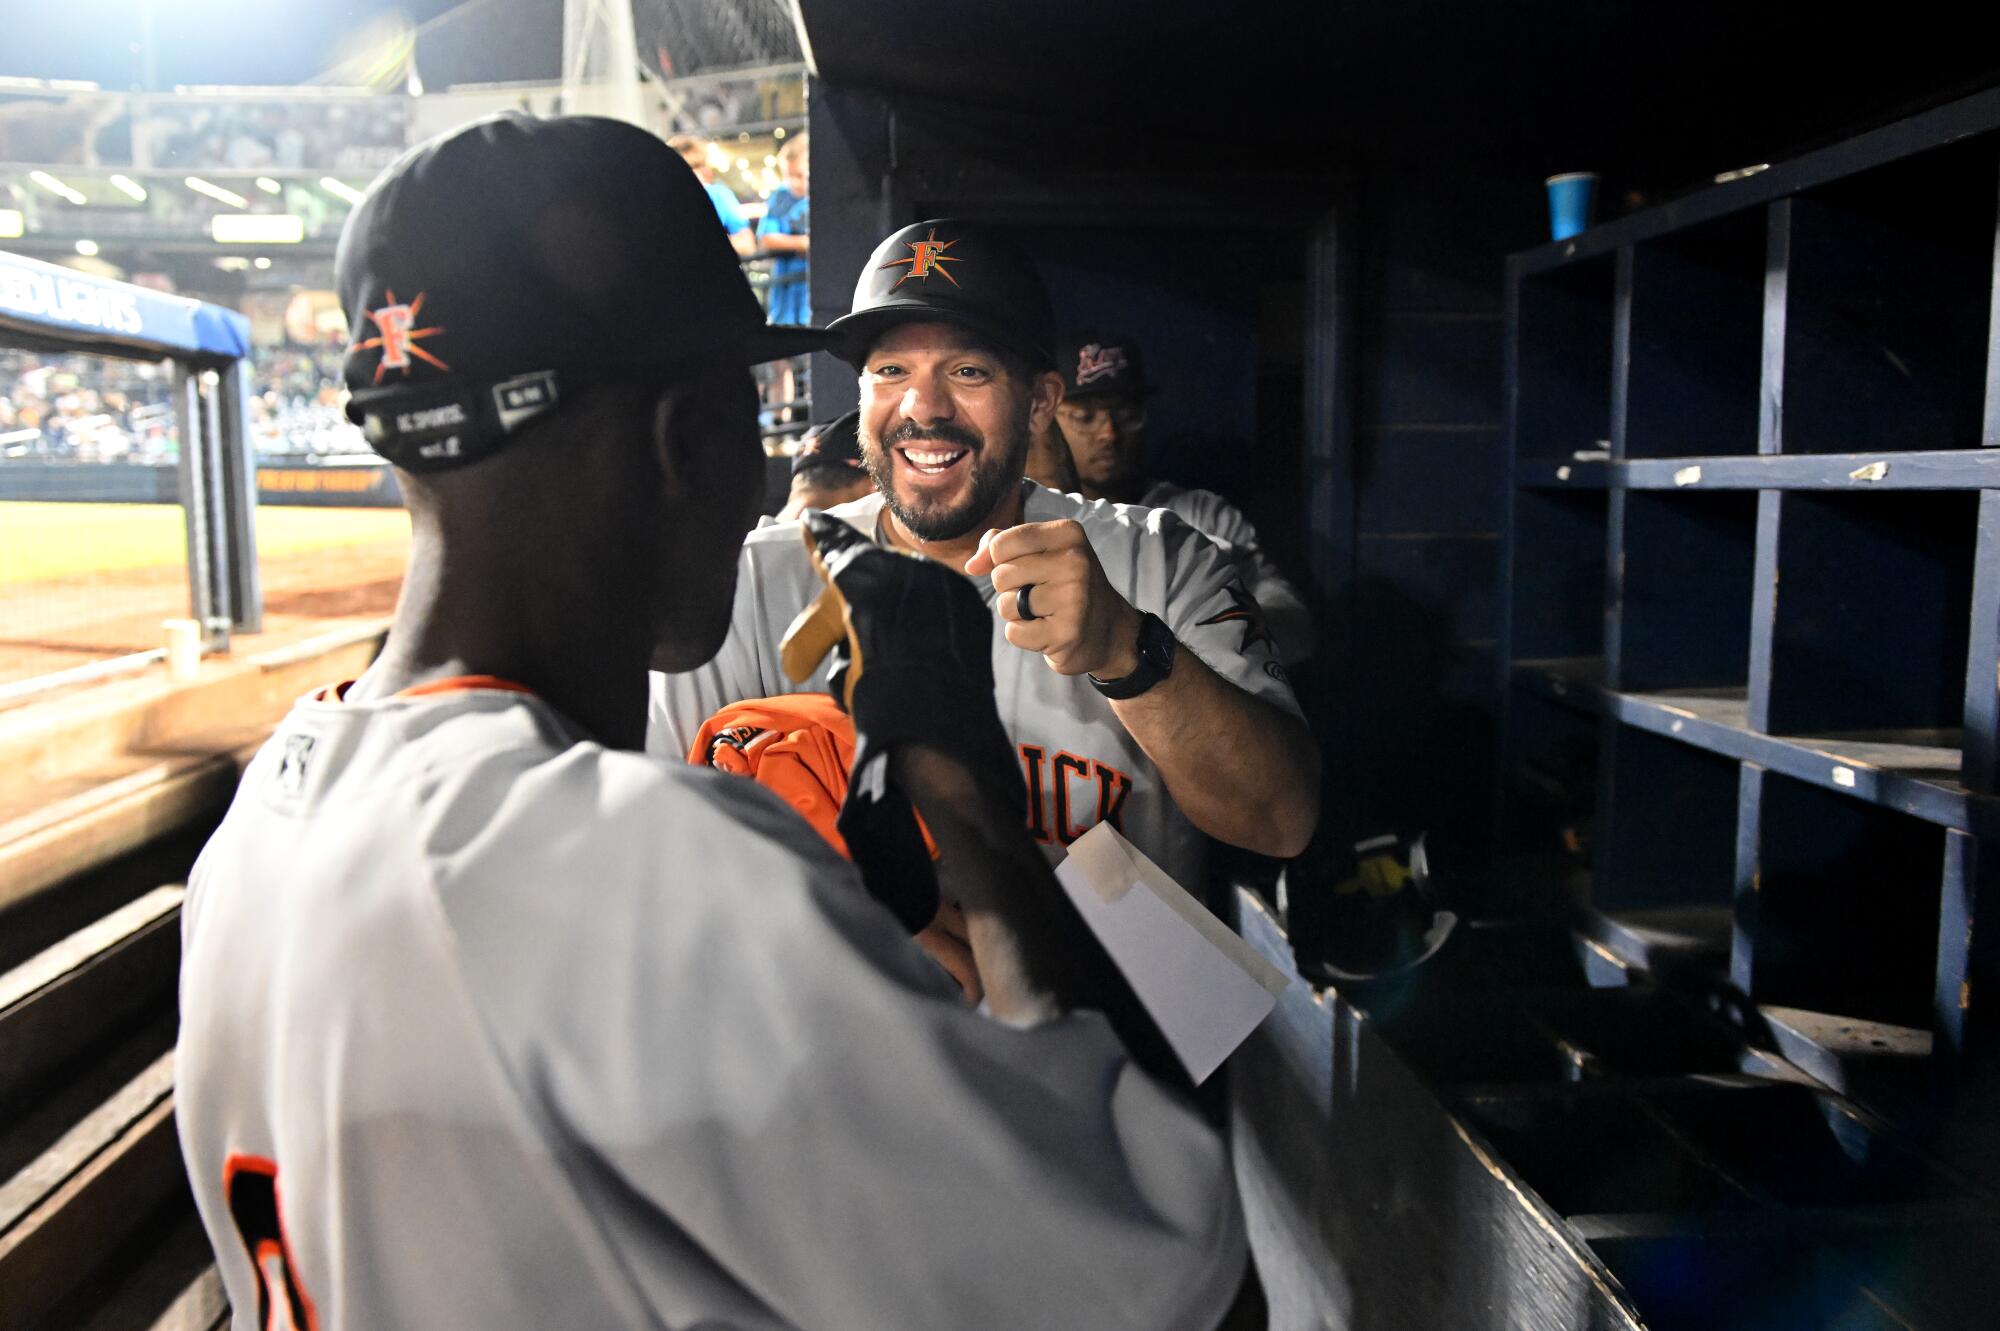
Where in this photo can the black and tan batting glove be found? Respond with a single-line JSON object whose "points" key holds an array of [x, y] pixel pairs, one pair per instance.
{"points": [[911, 645], [911, 642]]}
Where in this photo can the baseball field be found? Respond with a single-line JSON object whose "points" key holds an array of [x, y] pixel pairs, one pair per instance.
{"points": [[80, 581]]}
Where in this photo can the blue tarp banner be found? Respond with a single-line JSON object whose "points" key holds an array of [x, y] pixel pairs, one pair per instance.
{"points": [[45, 298]]}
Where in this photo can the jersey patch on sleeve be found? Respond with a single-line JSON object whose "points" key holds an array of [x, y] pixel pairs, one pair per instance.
{"points": [[1243, 609]]}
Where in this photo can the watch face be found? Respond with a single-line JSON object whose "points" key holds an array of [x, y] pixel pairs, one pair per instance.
{"points": [[1156, 661]]}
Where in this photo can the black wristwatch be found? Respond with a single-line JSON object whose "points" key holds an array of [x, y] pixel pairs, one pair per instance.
{"points": [[1156, 661]]}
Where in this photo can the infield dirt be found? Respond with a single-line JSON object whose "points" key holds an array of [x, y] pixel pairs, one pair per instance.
{"points": [[80, 582]]}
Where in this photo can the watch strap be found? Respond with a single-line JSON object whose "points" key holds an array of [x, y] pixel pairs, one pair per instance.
{"points": [[1154, 664]]}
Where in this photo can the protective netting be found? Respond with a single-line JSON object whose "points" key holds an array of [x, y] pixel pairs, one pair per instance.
{"points": [[601, 60], [683, 37]]}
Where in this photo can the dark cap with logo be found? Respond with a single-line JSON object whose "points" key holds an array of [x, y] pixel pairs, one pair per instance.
{"points": [[954, 272], [1093, 362], [491, 272], [835, 446]]}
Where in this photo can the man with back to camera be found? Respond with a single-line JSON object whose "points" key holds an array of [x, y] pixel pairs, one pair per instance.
{"points": [[1103, 418], [1158, 703], [488, 1021]]}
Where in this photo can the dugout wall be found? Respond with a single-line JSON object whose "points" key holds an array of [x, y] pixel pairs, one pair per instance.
{"points": [[54, 310]]}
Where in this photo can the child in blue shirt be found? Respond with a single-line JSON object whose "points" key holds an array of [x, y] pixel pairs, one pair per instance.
{"points": [[784, 231]]}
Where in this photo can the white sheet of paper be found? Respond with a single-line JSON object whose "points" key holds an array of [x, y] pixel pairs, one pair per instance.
{"points": [[1207, 988]]}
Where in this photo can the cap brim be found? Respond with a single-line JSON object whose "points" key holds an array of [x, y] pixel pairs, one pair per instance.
{"points": [[1140, 389], [783, 341], [854, 334]]}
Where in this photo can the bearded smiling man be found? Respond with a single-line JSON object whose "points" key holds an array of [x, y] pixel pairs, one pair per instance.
{"points": [[942, 479], [1133, 670]]}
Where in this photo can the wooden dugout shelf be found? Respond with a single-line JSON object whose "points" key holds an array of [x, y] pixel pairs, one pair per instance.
{"points": [[1751, 684]]}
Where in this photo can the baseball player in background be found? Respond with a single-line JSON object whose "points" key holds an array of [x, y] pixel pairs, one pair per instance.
{"points": [[489, 1020], [1103, 418], [1136, 676], [827, 470], [1049, 462]]}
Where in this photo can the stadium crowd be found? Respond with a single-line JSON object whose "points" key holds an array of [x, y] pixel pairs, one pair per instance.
{"points": [[92, 409], [354, 134]]}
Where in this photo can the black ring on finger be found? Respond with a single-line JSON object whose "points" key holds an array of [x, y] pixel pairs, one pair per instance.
{"points": [[1023, 607]]}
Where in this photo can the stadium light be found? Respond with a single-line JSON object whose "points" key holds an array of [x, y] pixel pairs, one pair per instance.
{"points": [[216, 192], [340, 190], [56, 187], [87, 248], [12, 223], [130, 188], [269, 186], [256, 229]]}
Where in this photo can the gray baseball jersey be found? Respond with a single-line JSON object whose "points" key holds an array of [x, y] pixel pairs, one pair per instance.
{"points": [[1222, 522], [1081, 766], [485, 1025]]}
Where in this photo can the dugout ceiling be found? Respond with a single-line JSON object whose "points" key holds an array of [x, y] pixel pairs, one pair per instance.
{"points": [[1698, 85]]}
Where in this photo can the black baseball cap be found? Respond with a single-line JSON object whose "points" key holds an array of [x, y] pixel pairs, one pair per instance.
{"points": [[835, 445], [956, 272], [491, 271], [1094, 362]]}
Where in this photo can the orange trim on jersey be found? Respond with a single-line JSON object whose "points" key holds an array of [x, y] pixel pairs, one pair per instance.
{"points": [[260, 1249], [1034, 758], [464, 684], [1059, 784], [456, 684], [1111, 808]]}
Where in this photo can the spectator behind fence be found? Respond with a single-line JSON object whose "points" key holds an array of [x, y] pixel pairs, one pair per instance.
{"points": [[783, 231], [699, 154]]}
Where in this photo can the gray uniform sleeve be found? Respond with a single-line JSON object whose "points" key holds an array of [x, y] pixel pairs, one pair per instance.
{"points": [[785, 1078], [1213, 612], [1285, 612]]}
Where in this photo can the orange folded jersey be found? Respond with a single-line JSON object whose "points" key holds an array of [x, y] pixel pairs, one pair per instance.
{"points": [[799, 745]]}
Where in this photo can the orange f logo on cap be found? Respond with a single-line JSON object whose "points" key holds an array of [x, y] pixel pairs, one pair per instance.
{"points": [[397, 323], [929, 257]]}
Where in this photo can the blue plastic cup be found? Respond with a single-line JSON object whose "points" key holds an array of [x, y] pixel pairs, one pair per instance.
{"points": [[1569, 202]]}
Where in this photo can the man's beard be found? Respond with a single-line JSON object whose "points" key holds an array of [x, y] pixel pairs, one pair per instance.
{"points": [[994, 472]]}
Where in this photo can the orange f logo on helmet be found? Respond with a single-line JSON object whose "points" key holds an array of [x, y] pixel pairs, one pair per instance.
{"points": [[397, 324], [928, 257]]}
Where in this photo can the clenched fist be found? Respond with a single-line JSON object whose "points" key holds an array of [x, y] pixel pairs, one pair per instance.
{"points": [[1079, 623]]}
